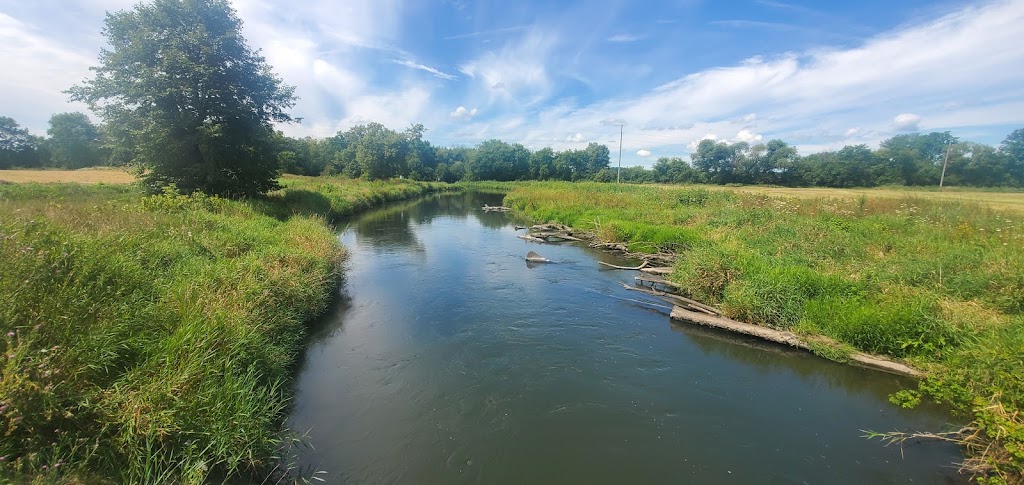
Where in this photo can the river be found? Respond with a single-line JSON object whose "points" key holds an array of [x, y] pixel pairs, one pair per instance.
{"points": [[448, 359]]}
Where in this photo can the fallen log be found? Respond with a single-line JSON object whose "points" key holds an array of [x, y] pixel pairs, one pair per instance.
{"points": [[555, 235], [642, 265], [491, 208], [658, 270], [655, 280], [679, 300], [530, 238], [788, 338]]}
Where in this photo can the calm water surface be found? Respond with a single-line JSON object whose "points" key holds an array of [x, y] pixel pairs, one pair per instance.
{"points": [[448, 359]]}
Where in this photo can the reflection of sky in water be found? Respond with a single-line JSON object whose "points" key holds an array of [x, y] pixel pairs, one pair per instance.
{"points": [[455, 362]]}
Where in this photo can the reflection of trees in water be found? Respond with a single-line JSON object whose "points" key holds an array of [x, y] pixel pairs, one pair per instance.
{"points": [[768, 357], [391, 226]]}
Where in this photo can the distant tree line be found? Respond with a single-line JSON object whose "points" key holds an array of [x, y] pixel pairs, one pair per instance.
{"points": [[373, 151], [73, 142]]}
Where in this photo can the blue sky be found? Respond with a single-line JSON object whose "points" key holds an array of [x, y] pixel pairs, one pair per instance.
{"points": [[819, 75]]}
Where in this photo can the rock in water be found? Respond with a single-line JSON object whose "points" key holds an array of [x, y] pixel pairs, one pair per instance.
{"points": [[536, 258]]}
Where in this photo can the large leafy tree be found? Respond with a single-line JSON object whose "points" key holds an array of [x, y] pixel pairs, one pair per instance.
{"points": [[1013, 148], [74, 141], [17, 146], [182, 90]]}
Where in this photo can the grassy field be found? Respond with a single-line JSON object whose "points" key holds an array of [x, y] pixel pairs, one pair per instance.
{"points": [[83, 176], [151, 339], [935, 282], [989, 199]]}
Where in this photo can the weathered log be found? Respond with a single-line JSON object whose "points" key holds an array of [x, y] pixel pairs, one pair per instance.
{"points": [[530, 238], [658, 270], [642, 265], [788, 338], [555, 235], [676, 300], [656, 280], [491, 208], [551, 228]]}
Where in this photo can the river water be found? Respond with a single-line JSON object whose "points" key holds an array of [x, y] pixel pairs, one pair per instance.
{"points": [[449, 359]]}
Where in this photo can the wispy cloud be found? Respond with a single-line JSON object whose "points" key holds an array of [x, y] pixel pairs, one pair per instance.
{"points": [[482, 33], [624, 38], [753, 24], [867, 86], [786, 6], [423, 67]]}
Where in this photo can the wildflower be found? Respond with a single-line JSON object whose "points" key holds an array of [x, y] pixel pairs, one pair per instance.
{"points": [[3, 408], [10, 334]]}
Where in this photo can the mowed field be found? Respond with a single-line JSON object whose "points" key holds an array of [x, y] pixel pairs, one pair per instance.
{"points": [[995, 199], [83, 176]]}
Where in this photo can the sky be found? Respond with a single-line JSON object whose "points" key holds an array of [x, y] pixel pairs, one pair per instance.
{"points": [[816, 74]]}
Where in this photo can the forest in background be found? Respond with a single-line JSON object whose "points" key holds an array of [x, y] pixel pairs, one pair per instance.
{"points": [[373, 151]]}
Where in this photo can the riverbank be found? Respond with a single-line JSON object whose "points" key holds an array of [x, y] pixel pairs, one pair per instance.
{"points": [[936, 283], [152, 339]]}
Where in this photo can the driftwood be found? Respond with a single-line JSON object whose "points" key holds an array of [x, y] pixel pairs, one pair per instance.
{"points": [[788, 338], [658, 270], [549, 233], [519, 227], [547, 236], [536, 258], [527, 237], [677, 300], [491, 208], [655, 280], [642, 266]]}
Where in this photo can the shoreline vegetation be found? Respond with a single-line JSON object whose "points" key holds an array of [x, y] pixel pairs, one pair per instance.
{"points": [[933, 283], [151, 339], [143, 327]]}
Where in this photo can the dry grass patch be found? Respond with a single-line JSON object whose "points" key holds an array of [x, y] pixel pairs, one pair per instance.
{"points": [[992, 199], [83, 176]]}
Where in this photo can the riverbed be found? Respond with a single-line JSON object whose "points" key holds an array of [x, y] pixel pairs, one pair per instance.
{"points": [[450, 359]]}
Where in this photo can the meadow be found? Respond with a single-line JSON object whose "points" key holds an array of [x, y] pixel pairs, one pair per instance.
{"points": [[152, 338], [937, 283]]}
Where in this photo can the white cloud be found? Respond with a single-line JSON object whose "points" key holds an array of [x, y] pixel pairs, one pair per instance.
{"points": [[624, 38], [577, 138], [517, 72], [830, 90], [461, 113], [852, 132], [748, 137], [643, 153], [423, 67], [906, 122], [37, 71], [708, 136]]}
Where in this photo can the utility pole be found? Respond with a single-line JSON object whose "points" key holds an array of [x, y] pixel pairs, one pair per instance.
{"points": [[620, 172], [942, 178]]}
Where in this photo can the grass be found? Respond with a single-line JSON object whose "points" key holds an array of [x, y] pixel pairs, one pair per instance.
{"points": [[937, 282], [152, 339], [104, 175]]}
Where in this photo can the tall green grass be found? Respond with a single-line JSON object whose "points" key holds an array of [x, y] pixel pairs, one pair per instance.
{"points": [[939, 283], [152, 339]]}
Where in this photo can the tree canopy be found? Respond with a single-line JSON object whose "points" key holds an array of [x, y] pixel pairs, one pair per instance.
{"points": [[183, 93], [74, 141]]}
